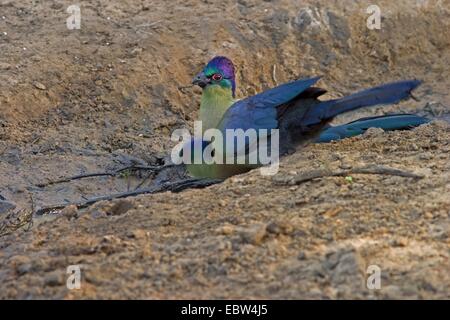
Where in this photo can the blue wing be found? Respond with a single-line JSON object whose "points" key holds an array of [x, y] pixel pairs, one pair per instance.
{"points": [[260, 111]]}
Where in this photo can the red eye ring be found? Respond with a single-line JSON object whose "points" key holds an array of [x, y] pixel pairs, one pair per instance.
{"points": [[216, 77]]}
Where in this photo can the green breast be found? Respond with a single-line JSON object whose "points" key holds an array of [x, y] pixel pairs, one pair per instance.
{"points": [[215, 102]]}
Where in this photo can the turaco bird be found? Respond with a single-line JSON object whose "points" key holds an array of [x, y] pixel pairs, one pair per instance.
{"points": [[293, 108]]}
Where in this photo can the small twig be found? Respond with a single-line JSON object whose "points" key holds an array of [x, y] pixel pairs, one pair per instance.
{"points": [[30, 224], [322, 173], [181, 88], [148, 25], [108, 174], [176, 186], [274, 76]]}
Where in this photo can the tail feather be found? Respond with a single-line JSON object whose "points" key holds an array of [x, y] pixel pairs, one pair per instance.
{"points": [[384, 94], [386, 122]]}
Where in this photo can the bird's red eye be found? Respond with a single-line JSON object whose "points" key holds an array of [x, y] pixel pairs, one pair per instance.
{"points": [[217, 77]]}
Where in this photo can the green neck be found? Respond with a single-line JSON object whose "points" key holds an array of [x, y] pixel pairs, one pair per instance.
{"points": [[215, 102]]}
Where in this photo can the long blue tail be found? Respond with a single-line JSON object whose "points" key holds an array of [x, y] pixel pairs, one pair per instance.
{"points": [[384, 94], [386, 122]]}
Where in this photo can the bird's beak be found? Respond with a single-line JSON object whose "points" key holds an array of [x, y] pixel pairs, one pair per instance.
{"points": [[201, 80]]}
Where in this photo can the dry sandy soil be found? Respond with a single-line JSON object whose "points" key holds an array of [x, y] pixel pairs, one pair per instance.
{"points": [[110, 94]]}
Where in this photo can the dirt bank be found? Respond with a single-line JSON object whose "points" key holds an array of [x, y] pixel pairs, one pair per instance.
{"points": [[108, 95]]}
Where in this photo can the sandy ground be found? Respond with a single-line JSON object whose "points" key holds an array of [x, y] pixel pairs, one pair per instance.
{"points": [[108, 95]]}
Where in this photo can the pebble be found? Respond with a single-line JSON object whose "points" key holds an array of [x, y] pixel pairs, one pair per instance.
{"points": [[39, 85], [70, 212], [428, 215], [222, 203], [225, 230], [254, 234]]}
